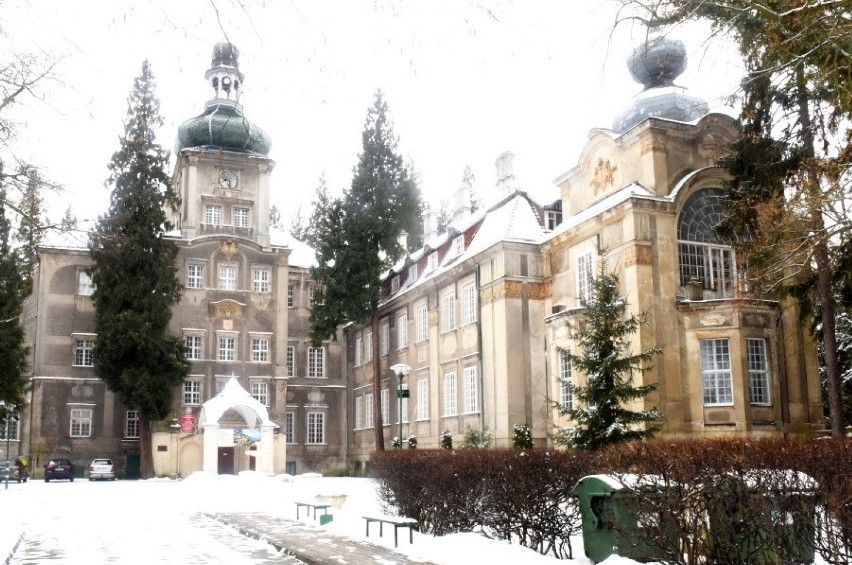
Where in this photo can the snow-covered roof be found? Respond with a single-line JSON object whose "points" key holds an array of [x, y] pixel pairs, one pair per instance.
{"points": [[76, 239], [234, 397], [610, 201]]}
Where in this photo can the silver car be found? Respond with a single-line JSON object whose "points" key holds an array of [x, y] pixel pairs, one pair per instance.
{"points": [[102, 469]]}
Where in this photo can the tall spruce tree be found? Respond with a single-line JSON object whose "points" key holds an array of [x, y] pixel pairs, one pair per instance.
{"points": [[600, 411], [134, 272], [31, 227], [356, 238], [13, 291]]}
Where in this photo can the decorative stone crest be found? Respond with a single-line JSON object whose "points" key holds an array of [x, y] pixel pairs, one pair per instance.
{"points": [[228, 248], [227, 309], [604, 176]]}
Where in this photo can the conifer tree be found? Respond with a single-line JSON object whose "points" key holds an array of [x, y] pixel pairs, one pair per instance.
{"points": [[13, 291], [356, 238], [134, 272], [599, 411], [31, 227], [69, 220]]}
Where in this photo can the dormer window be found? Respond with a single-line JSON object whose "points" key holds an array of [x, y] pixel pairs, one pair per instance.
{"points": [[432, 261], [412, 273], [395, 283], [457, 246]]}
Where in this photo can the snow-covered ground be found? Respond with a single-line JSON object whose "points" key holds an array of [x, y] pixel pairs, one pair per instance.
{"points": [[36, 506]]}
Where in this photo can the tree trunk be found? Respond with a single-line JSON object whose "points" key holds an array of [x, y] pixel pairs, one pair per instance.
{"points": [[377, 383], [146, 457]]}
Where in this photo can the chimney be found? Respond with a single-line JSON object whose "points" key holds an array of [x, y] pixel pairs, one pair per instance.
{"points": [[461, 203], [505, 174], [403, 240]]}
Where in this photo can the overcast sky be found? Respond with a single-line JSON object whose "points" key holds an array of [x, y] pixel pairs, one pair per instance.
{"points": [[464, 81]]}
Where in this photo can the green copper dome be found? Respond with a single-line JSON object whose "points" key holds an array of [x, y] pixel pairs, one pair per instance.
{"points": [[222, 124]]}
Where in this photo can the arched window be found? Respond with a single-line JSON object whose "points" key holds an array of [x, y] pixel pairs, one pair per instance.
{"points": [[703, 254]]}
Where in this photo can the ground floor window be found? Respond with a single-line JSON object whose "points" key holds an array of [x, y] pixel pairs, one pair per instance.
{"points": [[12, 425], [316, 427], [260, 392], [716, 372], [290, 427], [758, 371], [131, 424], [81, 422]]}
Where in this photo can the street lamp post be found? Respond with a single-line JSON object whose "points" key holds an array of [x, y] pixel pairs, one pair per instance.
{"points": [[175, 427], [401, 370]]}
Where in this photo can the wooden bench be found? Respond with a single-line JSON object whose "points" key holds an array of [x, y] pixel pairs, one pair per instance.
{"points": [[309, 505], [397, 522]]}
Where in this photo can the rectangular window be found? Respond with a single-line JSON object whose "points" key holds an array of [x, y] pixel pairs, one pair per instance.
{"points": [[385, 405], [13, 427], [81, 422], [359, 345], [316, 428], [402, 331], [432, 261], [291, 296], [412, 274], [469, 304], [83, 353], [368, 410], [450, 394], [227, 348], [314, 295], [714, 266], [291, 360], [395, 283], [384, 339], [716, 372], [260, 350], [471, 391], [260, 280], [316, 362], [194, 349], [290, 427], [457, 246], [404, 411], [195, 276], [241, 217], [448, 312], [359, 411], [192, 392], [758, 371], [585, 276], [368, 346], [423, 399], [227, 277], [260, 392], [566, 399], [131, 424], [212, 215], [422, 323], [85, 286]]}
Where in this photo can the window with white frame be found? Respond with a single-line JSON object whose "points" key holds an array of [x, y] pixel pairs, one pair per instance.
{"points": [[359, 411], [423, 399], [384, 339], [291, 360], [83, 352], [290, 427], [227, 277], [316, 428], [404, 411], [402, 331], [359, 345], [758, 371], [566, 398], [448, 311], [81, 422], [702, 253], [13, 426], [395, 283], [316, 362], [131, 424], [241, 217], [291, 296], [260, 350], [260, 392], [227, 348], [469, 303], [716, 372], [368, 346], [412, 273], [195, 276], [422, 323], [212, 215], [457, 246], [385, 405], [260, 280], [471, 391], [194, 347], [450, 408], [85, 286], [585, 276], [368, 410], [431, 261], [192, 391]]}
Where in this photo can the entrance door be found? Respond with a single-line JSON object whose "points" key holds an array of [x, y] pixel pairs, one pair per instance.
{"points": [[226, 460], [132, 466]]}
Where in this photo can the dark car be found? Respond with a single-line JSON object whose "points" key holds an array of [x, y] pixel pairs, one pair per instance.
{"points": [[14, 471], [59, 469]]}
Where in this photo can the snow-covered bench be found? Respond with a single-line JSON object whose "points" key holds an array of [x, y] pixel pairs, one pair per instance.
{"points": [[397, 522]]}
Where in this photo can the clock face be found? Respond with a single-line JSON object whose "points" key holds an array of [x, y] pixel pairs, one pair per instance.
{"points": [[228, 179]]}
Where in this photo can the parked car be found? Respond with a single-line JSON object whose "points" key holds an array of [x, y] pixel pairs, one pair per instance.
{"points": [[14, 471], [59, 468], [102, 469]]}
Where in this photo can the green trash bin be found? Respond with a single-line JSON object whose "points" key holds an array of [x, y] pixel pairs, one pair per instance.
{"points": [[615, 514]]}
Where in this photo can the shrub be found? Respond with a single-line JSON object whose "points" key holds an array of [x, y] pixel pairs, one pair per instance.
{"points": [[476, 439], [412, 442], [446, 440], [522, 437]]}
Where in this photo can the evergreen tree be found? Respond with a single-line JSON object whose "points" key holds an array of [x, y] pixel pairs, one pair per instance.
{"points": [[13, 291], [31, 227], [69, 220], [134, 272], [275, 218], [356, 238], [599, 412], [522, 437]]}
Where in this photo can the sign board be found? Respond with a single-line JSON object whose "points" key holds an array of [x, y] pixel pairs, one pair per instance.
{"points": [[226, 437], [187, 423]]}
